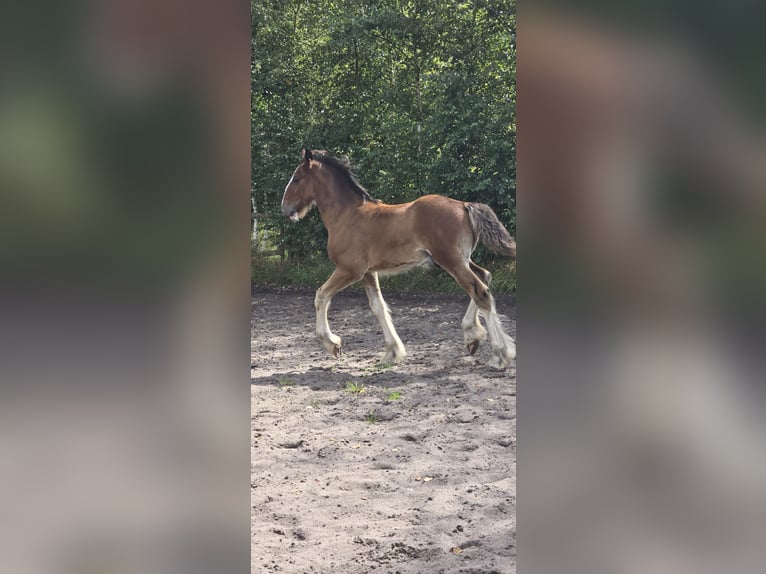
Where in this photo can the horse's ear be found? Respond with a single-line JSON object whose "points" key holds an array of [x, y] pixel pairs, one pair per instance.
{"points": [[306, 154]]}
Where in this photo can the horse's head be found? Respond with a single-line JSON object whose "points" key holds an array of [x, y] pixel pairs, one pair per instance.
{"points": [[300, 193]]}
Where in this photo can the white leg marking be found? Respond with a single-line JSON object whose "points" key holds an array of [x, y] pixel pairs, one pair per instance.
{"points": [[330, 341], [503, 346], [394, 348], [473, 332]]}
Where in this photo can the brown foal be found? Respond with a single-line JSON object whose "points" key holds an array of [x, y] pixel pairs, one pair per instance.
{"points": [[367, 237]]}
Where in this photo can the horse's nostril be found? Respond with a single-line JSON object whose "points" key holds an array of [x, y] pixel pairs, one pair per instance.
{"points": [[290, 212]]}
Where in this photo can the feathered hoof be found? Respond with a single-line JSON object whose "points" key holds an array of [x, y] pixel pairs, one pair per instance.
{"points": [[393, 356], [502, 357], [473, 335]]}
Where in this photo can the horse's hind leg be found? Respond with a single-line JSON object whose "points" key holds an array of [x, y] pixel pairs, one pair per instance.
{"points": [[503, 346], [473, 332], [339, 280], [394, 347]]}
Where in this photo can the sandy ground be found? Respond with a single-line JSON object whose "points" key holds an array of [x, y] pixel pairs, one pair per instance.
{"points": [[360, 468]]}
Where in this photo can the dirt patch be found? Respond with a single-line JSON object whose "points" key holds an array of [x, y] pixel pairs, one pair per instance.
{"points": [[358, 468]]}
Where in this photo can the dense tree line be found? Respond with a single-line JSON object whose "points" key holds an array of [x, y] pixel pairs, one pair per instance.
{"points": [[418, 93]]}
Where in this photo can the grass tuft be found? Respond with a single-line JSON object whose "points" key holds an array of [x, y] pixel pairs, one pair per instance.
{"points": [[356, 388], [372, 417]]}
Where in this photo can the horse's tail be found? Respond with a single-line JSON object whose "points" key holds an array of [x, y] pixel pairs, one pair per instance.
{"points": [[489, 230]]}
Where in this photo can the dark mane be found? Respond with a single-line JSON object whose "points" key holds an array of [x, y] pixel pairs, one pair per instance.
{"points": [[342, 166]]}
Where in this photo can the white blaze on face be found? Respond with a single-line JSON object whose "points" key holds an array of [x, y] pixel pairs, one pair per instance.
{"points": [[292, 177], [293, 216], [287, 186]]}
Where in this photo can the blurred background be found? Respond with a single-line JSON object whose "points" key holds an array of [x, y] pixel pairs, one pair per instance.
{"points": [[124, 194], [124, 298], [641, 174]]}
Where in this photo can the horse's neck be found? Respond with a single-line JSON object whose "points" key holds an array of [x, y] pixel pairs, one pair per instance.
{"points": [[334, 202]]}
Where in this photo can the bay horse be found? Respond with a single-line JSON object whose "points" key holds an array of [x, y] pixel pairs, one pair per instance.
{"points": [[367, 237]]}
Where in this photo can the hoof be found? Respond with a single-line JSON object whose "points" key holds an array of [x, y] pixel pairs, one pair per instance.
{"points": [[473, 335], [393, 356], [502, 357], [332, 345], [498, 362]]}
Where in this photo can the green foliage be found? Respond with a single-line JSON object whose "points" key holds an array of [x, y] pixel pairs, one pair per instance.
{"points": [[419, 93], [310, 272]]}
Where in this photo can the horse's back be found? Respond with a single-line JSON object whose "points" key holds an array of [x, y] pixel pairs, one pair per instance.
{"points": [[439, 203], [417, 214], [444, 228], [439, 212]]}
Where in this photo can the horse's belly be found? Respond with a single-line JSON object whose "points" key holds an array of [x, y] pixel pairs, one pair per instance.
{"points": [[394, 266]]}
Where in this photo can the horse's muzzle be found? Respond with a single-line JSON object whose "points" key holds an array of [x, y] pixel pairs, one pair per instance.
{"points": [[289, 212]]}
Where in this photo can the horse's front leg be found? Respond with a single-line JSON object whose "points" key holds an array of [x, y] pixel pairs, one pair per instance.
{"points": [[339, 280], [394, 347]]}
